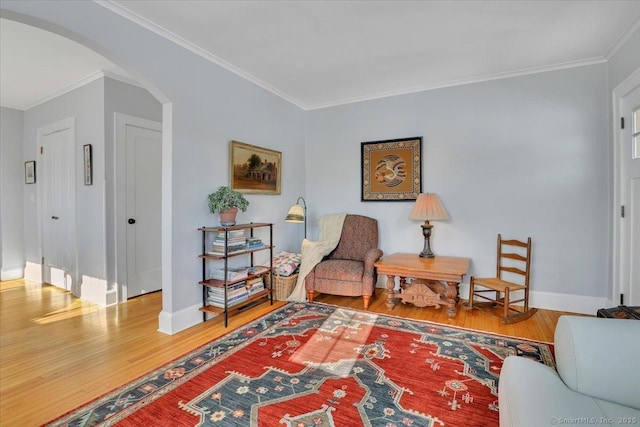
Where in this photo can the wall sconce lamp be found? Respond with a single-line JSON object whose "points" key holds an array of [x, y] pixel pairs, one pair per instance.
{"points": [[428, 208], [298, 214]]}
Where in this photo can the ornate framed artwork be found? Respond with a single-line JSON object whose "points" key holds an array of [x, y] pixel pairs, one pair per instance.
{"points": [[391, 169], [254, 170], [30, 172]]}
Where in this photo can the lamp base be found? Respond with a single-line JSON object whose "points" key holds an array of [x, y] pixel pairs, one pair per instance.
{"points": [[426, 232]]}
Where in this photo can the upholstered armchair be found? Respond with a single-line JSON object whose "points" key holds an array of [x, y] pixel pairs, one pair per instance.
{"points": [[349, 270]]}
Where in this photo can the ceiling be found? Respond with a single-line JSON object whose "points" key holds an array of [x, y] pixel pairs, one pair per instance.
{"points": [[321, 53]]}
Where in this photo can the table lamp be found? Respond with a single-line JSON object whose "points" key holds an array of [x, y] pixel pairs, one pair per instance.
{"points": [[298, 214], [428, 208]]}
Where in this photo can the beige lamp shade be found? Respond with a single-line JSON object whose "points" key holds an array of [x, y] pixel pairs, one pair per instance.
{"points": [[296, 214], [428, 208]]}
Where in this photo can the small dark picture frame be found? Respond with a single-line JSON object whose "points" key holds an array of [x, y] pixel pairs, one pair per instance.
{"points": [[88, 167], [30, 172]]}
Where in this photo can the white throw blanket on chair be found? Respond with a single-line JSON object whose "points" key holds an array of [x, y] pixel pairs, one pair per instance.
{"points": [[313, 252]]}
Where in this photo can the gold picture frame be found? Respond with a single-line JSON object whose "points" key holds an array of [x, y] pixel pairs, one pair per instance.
{"points": [[391, 170], [253, 169]]}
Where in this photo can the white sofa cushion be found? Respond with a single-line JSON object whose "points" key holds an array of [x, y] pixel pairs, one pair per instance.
{"points": [[600, 357]]}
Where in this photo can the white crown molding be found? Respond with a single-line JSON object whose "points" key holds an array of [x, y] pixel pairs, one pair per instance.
{"points": [[13, 107], [622, 40], [114, 76], [145, 23], [497, 76], [163, 32], [83, 81]]}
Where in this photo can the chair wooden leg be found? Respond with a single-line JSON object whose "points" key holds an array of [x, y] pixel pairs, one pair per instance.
{"points": [[469, 304], [366, 299], [506, 304], [310, 296]]}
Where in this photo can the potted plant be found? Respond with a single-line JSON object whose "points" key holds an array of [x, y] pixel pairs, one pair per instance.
{"points": [[227, 202]]}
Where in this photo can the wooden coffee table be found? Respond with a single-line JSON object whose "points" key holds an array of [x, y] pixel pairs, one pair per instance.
{"points": [[449, 270]]}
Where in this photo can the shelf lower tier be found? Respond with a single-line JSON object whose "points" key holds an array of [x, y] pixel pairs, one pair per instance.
{"points": [[219, 310]]}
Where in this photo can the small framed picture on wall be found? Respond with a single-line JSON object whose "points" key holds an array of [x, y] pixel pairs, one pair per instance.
{"points": [[30, 172], [88, 166]]}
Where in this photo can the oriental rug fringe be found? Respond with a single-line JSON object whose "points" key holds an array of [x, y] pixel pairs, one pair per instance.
{"points": [[320, 365]]}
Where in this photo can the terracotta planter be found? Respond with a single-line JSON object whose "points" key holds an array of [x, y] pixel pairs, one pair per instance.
{"points": [[228, 217]]}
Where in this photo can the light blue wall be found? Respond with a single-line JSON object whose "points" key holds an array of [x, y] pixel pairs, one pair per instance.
{"points": [[625, 61], [524, 156], [11, 194]]}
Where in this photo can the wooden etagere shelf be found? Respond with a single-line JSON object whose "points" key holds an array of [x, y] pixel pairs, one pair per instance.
{"points": [[226, 295]]}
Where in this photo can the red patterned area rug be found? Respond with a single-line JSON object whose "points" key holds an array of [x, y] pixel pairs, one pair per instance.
{"points": [[320, 365]]}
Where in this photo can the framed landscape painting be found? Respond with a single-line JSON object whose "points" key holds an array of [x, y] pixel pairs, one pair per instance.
{"points": [[391, 169], [254, 170]]}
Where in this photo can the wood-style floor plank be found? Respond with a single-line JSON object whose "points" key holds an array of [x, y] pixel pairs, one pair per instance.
{"points": [[58, 352]]}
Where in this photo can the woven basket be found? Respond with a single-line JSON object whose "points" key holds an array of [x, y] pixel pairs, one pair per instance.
{"points": [[282, 286]]}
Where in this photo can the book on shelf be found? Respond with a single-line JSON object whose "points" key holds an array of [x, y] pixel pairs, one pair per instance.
{"points": [[220, 289], [240, 297], [257, 269], [230, 294], [256, 288], [233, 273], [231, 233], [230, 247], [236, 290], [230, 242], [230, 302]]}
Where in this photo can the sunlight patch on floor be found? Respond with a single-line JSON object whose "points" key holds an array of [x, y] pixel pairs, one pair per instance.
{"points": [[76, 308], [334, 347]]}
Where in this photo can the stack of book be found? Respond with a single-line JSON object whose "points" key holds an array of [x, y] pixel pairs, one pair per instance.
{"points": [[255, 285], [254, 243], [235, 242], [233, 273], [236, 294]]}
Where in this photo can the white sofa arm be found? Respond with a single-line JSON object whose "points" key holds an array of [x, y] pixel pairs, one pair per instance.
{"points": [[531, 394], [600, 357]]}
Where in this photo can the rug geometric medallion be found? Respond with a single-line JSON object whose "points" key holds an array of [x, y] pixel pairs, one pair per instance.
{"points": [[320, 365]]}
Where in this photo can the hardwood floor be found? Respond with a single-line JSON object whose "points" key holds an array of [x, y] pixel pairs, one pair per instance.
{"points": [[58, 352]]}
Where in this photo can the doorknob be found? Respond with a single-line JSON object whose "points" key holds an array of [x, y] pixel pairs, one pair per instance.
{"points": [[131, 221], [54, 217]]}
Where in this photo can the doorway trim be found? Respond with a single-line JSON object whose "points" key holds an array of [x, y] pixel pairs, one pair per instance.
{"points": [[121, 121], [619, 92]]}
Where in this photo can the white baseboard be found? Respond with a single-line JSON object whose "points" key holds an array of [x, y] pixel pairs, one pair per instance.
{"points": [[11, 274], [571, 303], [172, 323], [97, 291], [33, 272]]}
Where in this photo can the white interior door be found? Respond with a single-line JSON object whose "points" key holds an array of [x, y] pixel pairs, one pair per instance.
{"points": [[58, 219], [630, 197], [143, 207]]}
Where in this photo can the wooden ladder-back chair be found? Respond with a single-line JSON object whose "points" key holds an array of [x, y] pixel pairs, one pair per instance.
{"points": [[516, 262]]}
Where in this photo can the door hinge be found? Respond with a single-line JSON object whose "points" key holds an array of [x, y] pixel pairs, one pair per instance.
{"points": [[41, 150], [42, 261], [622, 211], [621, 122]]}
